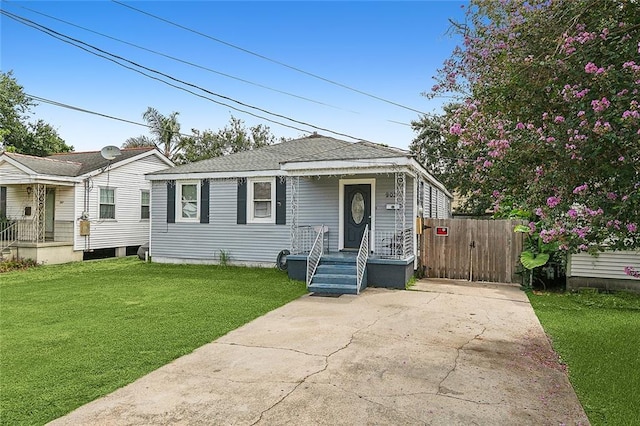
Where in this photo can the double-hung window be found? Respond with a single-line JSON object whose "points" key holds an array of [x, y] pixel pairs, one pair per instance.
{"points": [[188, 201], [107, 203], [144, 204], [261, 196]]}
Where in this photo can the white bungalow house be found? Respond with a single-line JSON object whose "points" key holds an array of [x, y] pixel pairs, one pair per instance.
{"points": [[339, 215], [54, 209]]}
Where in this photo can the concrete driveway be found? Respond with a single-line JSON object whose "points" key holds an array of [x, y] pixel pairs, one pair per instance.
{"points": [[444, 353]]}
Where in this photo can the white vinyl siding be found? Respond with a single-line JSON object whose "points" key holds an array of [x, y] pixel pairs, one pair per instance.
{"points": [[609, 264], [127, 230], [107, 206], [261, 203]]}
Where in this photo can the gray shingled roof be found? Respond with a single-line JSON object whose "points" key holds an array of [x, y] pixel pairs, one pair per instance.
{"points": [[93, 160], [312, 148], [71, 163]]}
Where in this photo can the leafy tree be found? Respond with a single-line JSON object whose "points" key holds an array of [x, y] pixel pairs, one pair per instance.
{"points": [[234, 137], [548, 119], [165, 133], [17, 134]]}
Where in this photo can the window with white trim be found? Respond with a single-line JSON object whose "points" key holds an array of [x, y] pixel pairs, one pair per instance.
{"points": [[107, 203], [262, 203], [145, 199], [188, 201]]}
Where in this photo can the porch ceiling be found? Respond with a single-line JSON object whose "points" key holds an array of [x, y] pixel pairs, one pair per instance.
{"points": [[34, 180], [347, 167]]}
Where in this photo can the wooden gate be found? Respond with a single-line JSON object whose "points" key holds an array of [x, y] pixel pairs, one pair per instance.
{"points": [[472, 249]]}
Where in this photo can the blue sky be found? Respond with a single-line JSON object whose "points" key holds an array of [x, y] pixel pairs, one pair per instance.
{"points": [[387, 49]]}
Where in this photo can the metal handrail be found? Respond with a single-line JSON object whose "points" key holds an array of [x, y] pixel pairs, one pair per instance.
{"points": [[313, 259], [363, 255], [408, 243], [8, 235]]}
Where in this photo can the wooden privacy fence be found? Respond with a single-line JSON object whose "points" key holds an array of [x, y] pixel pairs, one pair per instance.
{"points": [[472, 249]]}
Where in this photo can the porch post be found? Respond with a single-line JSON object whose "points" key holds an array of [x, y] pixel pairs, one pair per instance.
{"points": [[400, 217], [40, 195], [293, 230]]}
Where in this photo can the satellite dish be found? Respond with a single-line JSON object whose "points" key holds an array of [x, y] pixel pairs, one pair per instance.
{"points": [[110, 152]]}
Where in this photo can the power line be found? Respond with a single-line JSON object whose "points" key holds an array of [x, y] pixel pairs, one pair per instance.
{"points": [[155, 52], [74, 42], [266, 58]]}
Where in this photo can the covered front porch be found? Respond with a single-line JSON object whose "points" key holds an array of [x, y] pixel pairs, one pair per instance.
{"points": [[38, 223], [361, 232]]}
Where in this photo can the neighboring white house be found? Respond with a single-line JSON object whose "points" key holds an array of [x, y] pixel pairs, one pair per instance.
{"points": [[605, 271], [254, 207], [54, 209]]}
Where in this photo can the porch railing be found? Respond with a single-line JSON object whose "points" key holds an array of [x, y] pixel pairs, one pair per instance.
{"points": [[27, 230], [30, 231], [363, 255], [306, 235], [394, 245], [314, 255]]}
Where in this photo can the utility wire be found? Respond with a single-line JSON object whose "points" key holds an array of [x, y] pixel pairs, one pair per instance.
{"points": [[99, 114], [74, 42], [266, 58], [173, 58]]}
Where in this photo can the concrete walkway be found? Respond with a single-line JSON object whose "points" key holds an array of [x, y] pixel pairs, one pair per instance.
{"points": [[445, 353]]}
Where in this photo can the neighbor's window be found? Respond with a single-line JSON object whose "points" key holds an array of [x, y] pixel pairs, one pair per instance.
{"points": [[107, 203], [144, 204], [188, 196], [262, 201]]}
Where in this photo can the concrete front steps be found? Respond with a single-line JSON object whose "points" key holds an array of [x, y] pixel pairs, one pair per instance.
{"points": [[336, 274]]}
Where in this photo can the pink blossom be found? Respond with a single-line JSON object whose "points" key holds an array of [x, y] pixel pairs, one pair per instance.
{"points": [[629, 270], [581, 231], [519, 126], [600, 105], [456, 129], [632, 227], [553, 201], [572, 213], [580, 189], [559, 119], [592, 68]]}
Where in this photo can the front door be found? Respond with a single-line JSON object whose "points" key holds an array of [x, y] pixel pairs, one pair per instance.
{"points": [[357, 213], [49, 214]]}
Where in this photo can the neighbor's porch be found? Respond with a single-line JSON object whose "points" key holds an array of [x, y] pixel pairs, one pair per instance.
{"points": [[38, 223]]}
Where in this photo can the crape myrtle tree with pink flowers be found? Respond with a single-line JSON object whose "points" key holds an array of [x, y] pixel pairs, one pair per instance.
{"points": [[547, 120]]}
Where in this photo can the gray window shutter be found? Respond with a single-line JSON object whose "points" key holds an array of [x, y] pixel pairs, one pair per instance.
{"points": [[204, 201], [281, 201], [171, 201], [242, 202], [3, 202]]}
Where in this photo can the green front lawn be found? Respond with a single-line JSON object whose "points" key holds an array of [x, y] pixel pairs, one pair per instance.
{"points": [[72, 333], [598, 337]]}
